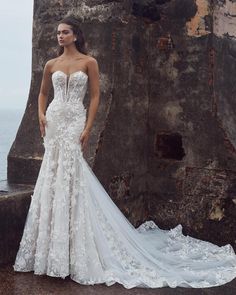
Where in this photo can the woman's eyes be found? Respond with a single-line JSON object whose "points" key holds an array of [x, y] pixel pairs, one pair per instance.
{"points": [[64, 32]]}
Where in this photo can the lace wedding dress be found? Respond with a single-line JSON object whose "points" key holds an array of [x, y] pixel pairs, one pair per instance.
{"points": [[74, 228]]}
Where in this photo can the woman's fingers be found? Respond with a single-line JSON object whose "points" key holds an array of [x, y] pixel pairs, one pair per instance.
{"points": [[85, 143], [83, 140], [42, 123], [42, 130]]}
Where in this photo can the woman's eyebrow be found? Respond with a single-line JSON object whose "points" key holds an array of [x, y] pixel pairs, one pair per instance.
{"points": [[63, 30]]}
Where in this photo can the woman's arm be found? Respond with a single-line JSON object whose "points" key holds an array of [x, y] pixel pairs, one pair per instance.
{"points": [[93, 73], [43, 96]]}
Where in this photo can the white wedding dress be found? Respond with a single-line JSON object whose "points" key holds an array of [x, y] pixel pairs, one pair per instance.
{"points": [[74, 228]]}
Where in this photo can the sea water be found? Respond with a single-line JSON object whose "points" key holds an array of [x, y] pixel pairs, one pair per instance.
{"points": [[9, 123]]}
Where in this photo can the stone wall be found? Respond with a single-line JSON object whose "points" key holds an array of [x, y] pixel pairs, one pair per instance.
{"points": [[163, 143]]}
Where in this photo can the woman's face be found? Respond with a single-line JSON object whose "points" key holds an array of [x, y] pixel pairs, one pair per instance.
{"points": [[65, 35]]}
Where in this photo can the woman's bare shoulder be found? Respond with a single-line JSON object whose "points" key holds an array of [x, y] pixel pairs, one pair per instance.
{"points": [[91, 61], [50, 63], [91, 58]]}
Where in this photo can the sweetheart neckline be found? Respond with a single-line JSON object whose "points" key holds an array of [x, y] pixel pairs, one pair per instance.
{"points": [[71, 73]]}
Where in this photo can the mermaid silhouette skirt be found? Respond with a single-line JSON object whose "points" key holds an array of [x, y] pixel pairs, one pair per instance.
{"points": [[73, 228]]}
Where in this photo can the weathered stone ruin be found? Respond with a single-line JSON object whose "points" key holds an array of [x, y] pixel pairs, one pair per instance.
{"points": [[164, 140]]}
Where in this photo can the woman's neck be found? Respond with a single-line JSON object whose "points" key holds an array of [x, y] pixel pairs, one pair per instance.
{"points": [[70, 52]]}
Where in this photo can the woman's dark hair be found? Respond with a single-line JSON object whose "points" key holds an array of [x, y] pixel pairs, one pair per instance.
{"points": [[75, 26]]}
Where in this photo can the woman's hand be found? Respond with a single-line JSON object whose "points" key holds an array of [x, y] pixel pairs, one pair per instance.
{"points": [[42, 124], [84, 138]]}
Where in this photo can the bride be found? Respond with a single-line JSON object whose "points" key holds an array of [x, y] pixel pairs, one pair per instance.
{"points": [[73, 228]]}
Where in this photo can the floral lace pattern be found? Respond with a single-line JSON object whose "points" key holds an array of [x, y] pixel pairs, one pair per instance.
{"points": [[74, 228]]}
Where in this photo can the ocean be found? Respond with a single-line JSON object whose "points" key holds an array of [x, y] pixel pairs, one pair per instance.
{"points": [[9, 123]]}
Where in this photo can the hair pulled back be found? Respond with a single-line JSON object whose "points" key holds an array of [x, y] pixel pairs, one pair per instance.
{"points": [[75, 26]]}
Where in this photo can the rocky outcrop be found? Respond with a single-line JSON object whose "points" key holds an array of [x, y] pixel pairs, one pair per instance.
{"points": [[163, 143]]}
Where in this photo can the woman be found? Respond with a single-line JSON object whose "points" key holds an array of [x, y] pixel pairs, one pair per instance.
{"points": [[73, 228]]}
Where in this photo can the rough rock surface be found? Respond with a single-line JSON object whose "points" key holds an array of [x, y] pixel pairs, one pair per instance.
{"points": [[164, 140]]}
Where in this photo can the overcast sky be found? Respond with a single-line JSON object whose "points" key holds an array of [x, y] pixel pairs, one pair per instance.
{"points": [[15, 52]]}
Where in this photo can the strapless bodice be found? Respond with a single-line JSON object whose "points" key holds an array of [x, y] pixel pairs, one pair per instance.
{"points": [[69, 88], [66, 114]]}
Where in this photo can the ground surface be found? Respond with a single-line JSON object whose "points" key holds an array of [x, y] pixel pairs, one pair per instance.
{"points": [[15, 283]]}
